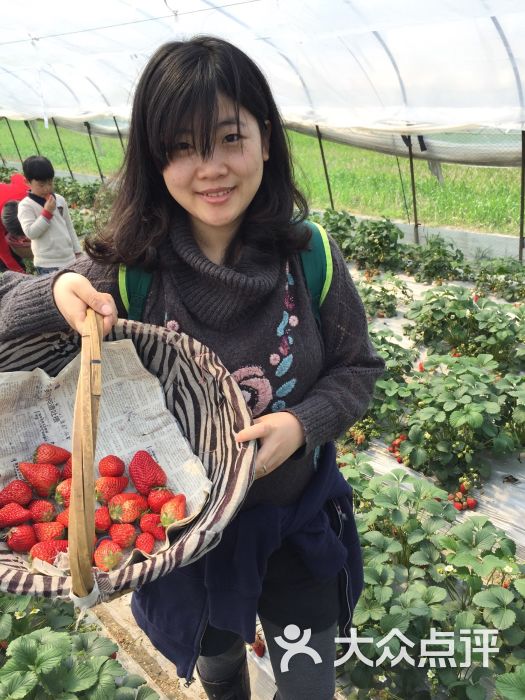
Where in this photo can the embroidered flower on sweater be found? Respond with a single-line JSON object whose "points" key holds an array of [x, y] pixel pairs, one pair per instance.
{"points": [[173, 325], [256, 388]]}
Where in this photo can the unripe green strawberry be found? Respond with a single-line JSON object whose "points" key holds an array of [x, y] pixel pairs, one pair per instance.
{"points": [[14, 514], [51, 454], [43, 477], [17, 491], [42, 511], [107, 555], [49, 531], [124, 534], [145, 472], [145, 542], [47, 551], [111, 466], [173, 510], [21, 538]]}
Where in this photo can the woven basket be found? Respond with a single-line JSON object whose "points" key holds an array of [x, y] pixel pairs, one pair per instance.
{"points": [[210, 408]]}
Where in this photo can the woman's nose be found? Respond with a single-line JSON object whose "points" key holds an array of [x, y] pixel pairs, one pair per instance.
{"points": [[214, 166]]}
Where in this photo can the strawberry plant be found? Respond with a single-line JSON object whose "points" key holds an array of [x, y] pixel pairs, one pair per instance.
{"points": [[437, 259], [375, 245], [398, 359], [427, 571], [381, 296], [340, 225]]}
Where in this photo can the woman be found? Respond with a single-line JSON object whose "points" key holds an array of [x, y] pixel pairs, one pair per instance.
{"points": [[206, 201]]}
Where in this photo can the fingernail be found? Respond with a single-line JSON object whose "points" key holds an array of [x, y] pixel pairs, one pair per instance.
{"points": [[105, 309]]}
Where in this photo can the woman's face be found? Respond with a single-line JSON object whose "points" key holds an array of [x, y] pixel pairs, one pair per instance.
{"points": [[216, 192]]}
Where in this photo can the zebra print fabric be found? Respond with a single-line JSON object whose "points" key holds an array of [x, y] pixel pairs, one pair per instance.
{"points": [[210, 408]]}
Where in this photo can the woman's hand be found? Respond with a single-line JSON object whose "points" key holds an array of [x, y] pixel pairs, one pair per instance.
{"points": [[280, 435], [73, 293]]}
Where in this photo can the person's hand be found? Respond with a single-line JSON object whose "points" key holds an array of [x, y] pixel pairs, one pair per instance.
{"points": [[73, 293], [51, 204], [280, 435]]}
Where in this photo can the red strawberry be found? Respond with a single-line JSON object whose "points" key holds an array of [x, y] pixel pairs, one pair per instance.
{"points": [[457, 506], [108, 486], [173, 510], [42, 477], [47, 551], [420, 367], [51, 454], [145, 472], [145, 542], [107, 555], [21, 538], [506, 584], [49, 531], [16, 491], [111, 466], [63, 492], [150, 522], [123, 534], [42, 511], [464, 487], [259, 646], [13, 514], [102, 519], [63, 517], [124, 509], [67, 471], [158, 497], [471, 502]]}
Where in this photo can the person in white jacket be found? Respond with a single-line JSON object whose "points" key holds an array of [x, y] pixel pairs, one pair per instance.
{"points": [[45, 219]]}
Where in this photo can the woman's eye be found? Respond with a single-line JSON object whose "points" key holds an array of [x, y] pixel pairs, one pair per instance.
{"points": [[182, 148], [233, 138]]}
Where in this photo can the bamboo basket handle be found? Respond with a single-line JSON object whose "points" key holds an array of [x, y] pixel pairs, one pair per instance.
{"points": [[82, 504]]}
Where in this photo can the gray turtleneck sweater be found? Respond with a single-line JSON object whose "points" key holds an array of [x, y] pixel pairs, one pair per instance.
{"points": [[258, 320]]}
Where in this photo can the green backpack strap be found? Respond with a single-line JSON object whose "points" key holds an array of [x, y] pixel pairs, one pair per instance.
{"points": [[317, 267], [134, 284]]}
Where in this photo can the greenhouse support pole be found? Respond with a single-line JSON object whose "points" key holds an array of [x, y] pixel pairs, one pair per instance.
{"points": [[3, 161], [62, 148], [14, 140], [88, 127], [119, 135], [522, 196], [32, 135], [320, 139], [413, 182]]}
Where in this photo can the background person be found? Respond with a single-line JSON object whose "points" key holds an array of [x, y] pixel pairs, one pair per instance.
{"points": [[206, 200], [16, 190], [45, 219]]}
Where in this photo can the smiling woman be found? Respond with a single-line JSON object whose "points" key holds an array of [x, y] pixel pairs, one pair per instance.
{"points": [[207, 210]]}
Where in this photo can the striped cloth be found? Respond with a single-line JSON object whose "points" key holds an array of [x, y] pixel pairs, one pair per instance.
{"points": [[209, 407]]}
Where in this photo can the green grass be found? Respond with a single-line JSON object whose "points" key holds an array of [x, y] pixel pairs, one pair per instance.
{"points": [[363, 182]]}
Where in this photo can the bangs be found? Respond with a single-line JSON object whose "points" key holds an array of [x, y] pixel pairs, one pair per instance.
{"points": [[185, 107]]}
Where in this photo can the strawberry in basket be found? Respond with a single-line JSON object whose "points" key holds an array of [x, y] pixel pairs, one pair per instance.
{"points": [[43, 477], [51, 454], [146, 473]]}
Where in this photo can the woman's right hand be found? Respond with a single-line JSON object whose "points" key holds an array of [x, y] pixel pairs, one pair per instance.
{"points": [[73, 293]]}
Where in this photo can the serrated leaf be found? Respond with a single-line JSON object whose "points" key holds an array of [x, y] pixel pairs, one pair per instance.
{"points": [[50, 656], [145, 693], [97, 646], [383, 594], [519, 585], [81, 677], [418, 456], [474, 419], [434, 594], [476, 692], [392, 621], [23, 652], [501, 618], [512, 685], [105, 689], [133, 680], [125, 693], [493, 597], [6, 624], [18, 686]]}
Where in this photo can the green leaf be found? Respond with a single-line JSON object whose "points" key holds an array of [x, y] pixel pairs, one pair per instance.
{"points": [[145, 693], [501, 618], [434, 594], [418, 456], [513, 635], [383, 594], [476, 692], [464, 559], [125, 693], [6, 624], [415, 435], [493, 597], [519, 585], [23, 652], [474, 419], [512, 685], [94, 645], [81, 677], [133, 680], [18, 686], [50, 656], [398, 620]]}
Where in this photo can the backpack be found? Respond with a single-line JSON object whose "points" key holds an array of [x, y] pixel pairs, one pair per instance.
{"points": [[134, 282]]}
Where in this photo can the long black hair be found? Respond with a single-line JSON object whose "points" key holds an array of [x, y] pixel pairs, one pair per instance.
{"points": [[179, 88]]}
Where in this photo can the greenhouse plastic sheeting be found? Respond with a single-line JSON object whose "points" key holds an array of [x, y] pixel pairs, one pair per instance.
{"points": [[406, 66]]}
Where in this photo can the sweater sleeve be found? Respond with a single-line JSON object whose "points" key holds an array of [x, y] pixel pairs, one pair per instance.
{"points": [[343, 392], [27, 304], [72, 233], [33, 225]]}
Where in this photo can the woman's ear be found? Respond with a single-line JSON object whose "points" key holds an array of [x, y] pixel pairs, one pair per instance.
{"points": [[265, 137]]}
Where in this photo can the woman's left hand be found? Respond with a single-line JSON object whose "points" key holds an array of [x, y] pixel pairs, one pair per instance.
{"points": [[280, 435]]}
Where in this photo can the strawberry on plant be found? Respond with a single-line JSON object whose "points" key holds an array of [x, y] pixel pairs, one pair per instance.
{"points": [[102, 519], [145, 472], [127, 507], [158, 497], [51, 454], [111, 466], [21, 538], [49, 531], [506, 583], [63, 492], [457, 505], [16, 491], [107, 555], [43, 477], [108, 486], [145, 542], [124, 534], [63, 517], [471, 502], [41, 511], [173, 510], [47, 551], [13, 514], [464, 486], [150, 522]]}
